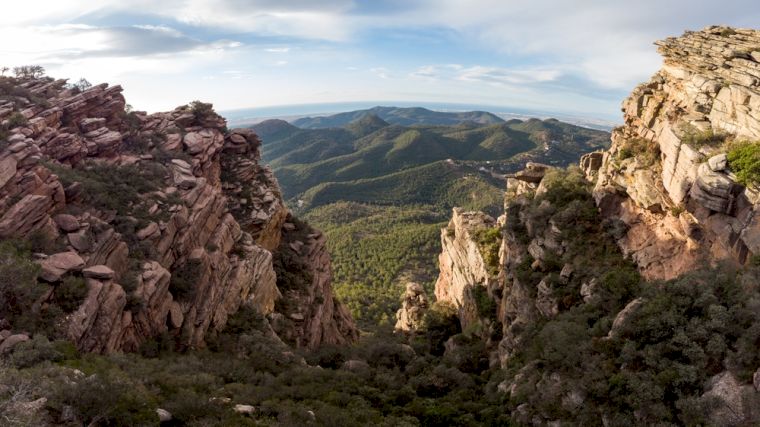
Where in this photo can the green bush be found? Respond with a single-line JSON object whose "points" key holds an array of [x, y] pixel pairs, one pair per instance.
{"points": [[18, 282], [696, 138], [489, 242], [185, 279], [744, 161], [70, 294], [647, 152]]}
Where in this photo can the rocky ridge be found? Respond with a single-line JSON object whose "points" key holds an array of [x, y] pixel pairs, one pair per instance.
{"points": [[676, 193], [664, 196], [185, 236]]}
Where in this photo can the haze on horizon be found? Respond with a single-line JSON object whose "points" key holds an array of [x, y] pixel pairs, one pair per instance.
{"points": [[578, 57]]}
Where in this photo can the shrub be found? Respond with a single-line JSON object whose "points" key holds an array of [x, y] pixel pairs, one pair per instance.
{"points": [[647, 152], [440, 323], [18, 282], [16, 120], [185, 279], [489, 241], [744, 161], [201, 110], [70, 294], [29, 71], [35, 351], [696, 138], [485, 304]]}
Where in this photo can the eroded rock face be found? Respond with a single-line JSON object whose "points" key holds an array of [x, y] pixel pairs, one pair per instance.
{"points": [[309, 315], [179, 259], [683, 205], [462, 264], [414, 304]]}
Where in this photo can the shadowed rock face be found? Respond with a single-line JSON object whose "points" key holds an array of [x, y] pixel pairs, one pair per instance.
{"points": [[210, 220], [686, 206]]}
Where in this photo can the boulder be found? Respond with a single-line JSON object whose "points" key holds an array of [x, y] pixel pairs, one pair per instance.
{"points": [[712, 189], [623, 316], [99, 272], [57, 265], [726, 390], [163, 415], [12, 341], [244, 409], [718, 163], [66, 222]]}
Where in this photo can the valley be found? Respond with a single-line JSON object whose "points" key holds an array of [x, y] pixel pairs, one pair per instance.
{"points": [[381, 182]]}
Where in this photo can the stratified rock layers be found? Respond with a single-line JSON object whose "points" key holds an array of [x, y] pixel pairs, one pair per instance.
{"points": [[213, 220]]}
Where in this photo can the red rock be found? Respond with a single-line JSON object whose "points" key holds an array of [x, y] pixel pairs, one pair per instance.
{"points": [[57, 265]]}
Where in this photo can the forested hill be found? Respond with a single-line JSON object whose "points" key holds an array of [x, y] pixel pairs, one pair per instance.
{"points": [[400, 116], [381, 183]]}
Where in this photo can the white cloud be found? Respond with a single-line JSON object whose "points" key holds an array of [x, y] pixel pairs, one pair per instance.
{"points": [[486, 74]]}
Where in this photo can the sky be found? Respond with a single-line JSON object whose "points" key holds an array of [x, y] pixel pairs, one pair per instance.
{"points": [[581, 56]]}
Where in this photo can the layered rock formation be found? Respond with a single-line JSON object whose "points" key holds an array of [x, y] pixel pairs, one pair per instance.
{"points": [[414, 304], [185, 236], [309, 315], [666, 175], [463, 268]]}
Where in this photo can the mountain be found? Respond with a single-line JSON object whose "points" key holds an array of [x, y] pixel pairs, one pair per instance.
{"points": [[400, 116], [368, 147], [372, 165]]}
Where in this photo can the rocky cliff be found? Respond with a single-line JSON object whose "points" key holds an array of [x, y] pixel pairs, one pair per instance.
{"points": [[666, 176], [168, 217], [601, 260]]}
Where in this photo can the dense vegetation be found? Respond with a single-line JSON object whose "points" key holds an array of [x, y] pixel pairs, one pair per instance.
{"points": [[744, 160], [383, 184], [375, 250], [651, 368], [385, 382]]}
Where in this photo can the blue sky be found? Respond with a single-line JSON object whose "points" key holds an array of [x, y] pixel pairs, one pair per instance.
{"points": [[580, 57]]}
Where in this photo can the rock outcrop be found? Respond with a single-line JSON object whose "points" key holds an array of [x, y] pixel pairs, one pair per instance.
{"points": [[666, 175], [169, 217], [414, 304], [462, 264]]}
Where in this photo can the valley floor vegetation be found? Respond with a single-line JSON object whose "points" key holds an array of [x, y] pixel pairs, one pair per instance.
{"points": [[653, 369]]}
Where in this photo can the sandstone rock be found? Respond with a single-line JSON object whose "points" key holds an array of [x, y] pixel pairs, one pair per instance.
{"points": [[57, 265], [545, 303], [533, 172], [730, 410], [163, 415], [80, 241], [244, 409], [756, 380], [713, 189], [355, 366], [718, 163], [413, 307], [10, 342], [461, 263], [99, 272], [67, 223], [623, 316], [7, 170], [588, 290]]}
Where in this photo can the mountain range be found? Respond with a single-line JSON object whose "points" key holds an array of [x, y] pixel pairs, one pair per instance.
{"points": [[401, 171]]}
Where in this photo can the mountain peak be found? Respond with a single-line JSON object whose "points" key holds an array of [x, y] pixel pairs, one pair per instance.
{"points": [[366, 124]]}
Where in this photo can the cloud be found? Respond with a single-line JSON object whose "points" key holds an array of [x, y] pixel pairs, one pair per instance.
{"points": [[381, 72], [486, 74]]}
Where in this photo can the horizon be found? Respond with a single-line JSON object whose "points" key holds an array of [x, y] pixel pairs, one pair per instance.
{"points": [[543, 56]]}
